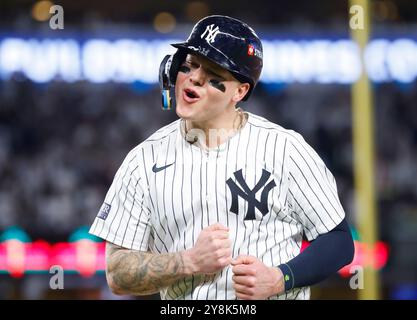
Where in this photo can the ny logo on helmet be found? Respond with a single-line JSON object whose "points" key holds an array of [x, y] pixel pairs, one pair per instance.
{"points": [[211, 32]]}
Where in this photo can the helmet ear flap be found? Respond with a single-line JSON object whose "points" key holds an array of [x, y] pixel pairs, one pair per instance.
{"points": [[177, 60], [168, 71], [165, 82]]}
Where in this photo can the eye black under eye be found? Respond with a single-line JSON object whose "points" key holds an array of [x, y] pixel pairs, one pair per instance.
{"points": [[184, 69], [217, 84]]}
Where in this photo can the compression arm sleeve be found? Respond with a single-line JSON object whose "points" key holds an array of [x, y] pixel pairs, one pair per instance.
{"points": [[324, 256]]}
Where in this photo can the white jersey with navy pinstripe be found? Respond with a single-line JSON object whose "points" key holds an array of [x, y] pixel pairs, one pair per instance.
{"points": [[265, 183]]}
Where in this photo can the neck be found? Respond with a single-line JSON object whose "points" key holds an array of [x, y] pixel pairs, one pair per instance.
{"points": [[217, 130]]}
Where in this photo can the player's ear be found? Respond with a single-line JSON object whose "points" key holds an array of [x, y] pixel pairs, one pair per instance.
{"points": [[241, 91]]}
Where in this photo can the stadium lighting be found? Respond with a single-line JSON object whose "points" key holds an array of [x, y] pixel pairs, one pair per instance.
{"points": [[137, 60]]}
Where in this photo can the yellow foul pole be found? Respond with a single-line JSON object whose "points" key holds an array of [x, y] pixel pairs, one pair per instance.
{"points": [[363, 147]]}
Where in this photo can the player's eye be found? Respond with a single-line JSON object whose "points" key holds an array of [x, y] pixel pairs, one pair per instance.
{"points": [[184, 68], [215, 83]]}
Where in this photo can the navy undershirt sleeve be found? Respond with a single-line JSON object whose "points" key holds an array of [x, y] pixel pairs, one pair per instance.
{"points": [[325, 255]]}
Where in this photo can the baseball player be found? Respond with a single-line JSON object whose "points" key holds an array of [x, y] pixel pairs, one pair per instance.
{"points": [[215, 205]]}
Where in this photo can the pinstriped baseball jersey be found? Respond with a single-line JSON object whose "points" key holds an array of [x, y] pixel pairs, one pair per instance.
{"points": [[265, 183]]}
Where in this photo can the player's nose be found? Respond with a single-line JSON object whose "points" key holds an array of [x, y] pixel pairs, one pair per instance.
{"points": [[198, 76]]}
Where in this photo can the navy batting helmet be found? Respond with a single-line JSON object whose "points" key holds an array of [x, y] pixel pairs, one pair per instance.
{"points": [[226, 41]]}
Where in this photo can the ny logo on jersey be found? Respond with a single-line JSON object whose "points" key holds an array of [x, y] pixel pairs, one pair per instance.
{"points": [[211, 33], [249, 194]]}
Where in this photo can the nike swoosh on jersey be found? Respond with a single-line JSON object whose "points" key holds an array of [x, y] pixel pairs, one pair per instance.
{"points": [[156, 169]]}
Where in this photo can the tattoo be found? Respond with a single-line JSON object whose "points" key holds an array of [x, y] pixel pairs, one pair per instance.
{"points": [[142, 273]]}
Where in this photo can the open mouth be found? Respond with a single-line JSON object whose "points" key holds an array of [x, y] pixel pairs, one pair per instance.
{"points": [[190, 95]]}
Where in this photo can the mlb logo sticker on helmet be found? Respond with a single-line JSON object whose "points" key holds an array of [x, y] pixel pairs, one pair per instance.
{"points": [[251, 50]]}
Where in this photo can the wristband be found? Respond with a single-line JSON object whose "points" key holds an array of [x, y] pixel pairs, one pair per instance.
{"points": [[288, 276]]}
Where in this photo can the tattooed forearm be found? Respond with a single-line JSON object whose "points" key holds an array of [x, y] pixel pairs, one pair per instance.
{"points": [[141, 273]]}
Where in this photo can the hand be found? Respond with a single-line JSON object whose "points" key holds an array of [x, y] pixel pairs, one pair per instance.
{"points": [[252, 280], [211, 252]]}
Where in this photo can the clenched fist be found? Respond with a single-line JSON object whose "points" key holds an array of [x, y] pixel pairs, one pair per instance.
{"points": [[252, 280], [211, 252]]}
